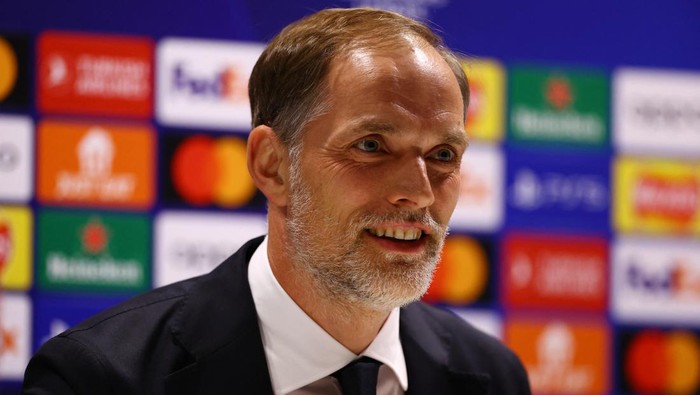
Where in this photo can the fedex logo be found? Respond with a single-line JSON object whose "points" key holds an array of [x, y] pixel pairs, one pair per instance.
{"points": [[204, 83], [656, 279], [225, 84], [676, 279]]}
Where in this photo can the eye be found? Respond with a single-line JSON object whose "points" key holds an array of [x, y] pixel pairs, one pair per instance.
{"points": [[368, 145], [444, 155]]}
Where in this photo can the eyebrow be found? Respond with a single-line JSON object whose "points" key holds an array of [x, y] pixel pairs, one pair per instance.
{"points": [[456, 137]]}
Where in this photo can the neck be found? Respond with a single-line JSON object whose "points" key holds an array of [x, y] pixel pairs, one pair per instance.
{"points": [[353, 326]]}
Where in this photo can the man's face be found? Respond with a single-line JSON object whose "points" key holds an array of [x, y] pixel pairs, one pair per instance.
{"points": [[378, 177]]}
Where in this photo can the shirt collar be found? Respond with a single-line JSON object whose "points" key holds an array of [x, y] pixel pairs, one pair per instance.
{"points": [[297, 349]]}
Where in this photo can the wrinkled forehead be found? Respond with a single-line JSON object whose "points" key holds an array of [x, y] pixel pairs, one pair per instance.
{"points": [[414, 65]]}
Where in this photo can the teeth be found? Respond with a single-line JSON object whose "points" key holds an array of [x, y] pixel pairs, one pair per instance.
{"points": [[399, 234]]}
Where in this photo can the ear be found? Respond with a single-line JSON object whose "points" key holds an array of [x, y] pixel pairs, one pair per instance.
{"points": [[268, 164]]}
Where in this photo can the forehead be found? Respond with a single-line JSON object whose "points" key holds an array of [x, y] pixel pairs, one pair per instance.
{"points": [[411, 74]]}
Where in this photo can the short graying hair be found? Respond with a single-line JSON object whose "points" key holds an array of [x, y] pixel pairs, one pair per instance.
{"points": [[288, 84]]}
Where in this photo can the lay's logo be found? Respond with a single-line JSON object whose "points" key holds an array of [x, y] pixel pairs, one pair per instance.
{"points": [[486, 112], [15, 248], [659, 196], [676, 200]]}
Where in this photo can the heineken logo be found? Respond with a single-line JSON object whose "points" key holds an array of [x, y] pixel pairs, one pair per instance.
{"points": [[94, 237], [95, 252], [562, 106], [558, 93]]}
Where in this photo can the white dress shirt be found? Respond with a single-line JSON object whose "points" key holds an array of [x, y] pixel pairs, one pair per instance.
{"points": [[301, 355]]}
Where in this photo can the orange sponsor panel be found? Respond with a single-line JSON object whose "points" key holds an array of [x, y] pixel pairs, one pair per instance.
{"points": [[95, 74], [95, 164], [562, 357]]}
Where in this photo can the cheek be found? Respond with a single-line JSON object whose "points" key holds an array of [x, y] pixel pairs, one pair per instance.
{"points": [[446, 196], [339, 193]]}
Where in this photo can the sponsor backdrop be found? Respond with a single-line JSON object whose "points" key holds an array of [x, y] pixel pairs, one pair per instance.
{"points": [[576, 239]]}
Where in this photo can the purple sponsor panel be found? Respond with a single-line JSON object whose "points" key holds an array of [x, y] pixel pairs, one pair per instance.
{"points": [[54, 314], [558, 190]]}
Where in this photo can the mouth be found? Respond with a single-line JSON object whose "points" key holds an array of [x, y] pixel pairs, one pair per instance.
{"points": [[397, 233]]}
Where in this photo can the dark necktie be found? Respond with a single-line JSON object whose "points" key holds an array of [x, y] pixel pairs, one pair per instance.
{"points": [[359, 377]]}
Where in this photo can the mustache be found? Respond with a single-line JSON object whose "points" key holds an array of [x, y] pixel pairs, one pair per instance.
{"points": [[423, 218]]}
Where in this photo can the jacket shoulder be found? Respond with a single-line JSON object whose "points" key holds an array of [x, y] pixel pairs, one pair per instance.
{"points": [[471, 350], [111, 351]]}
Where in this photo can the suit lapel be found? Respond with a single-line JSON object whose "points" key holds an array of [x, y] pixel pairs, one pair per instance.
{"points": [[426, 347], [218, 326]]}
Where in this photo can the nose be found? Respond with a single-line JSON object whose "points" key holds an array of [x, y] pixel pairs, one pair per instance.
{"points": [[409, 185]]}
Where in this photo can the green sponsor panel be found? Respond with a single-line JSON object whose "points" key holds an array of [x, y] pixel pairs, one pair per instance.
{"points": [[93, 252], [559, 106]]}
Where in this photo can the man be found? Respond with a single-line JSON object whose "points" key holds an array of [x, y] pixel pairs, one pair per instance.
{"points": [[358, 134]]}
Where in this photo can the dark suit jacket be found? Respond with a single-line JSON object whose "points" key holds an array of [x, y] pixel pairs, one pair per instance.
{"points": [[201, 336]]}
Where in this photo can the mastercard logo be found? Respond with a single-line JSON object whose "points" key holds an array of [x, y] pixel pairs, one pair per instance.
{"points": [[462, 273], [8, 68], [207, 170], [663, 362]]}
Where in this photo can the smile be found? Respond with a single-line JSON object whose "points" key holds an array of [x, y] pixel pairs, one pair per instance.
{"points": [[397, 233]]}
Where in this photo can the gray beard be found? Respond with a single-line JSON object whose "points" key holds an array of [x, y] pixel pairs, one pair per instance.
{"points": [[340, 267]]}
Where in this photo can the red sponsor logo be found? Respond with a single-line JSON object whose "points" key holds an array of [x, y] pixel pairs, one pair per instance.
{"points": [[675, 200], [94, 74], [94, 237], [208, 170], [554, 271], [558, 93], [5, 245], [657, 362]]}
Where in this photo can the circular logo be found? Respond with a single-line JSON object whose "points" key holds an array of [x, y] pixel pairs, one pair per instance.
{"points": [[9, 157], [212, 171], [658, 362], [8, 68], [462, 274]]}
